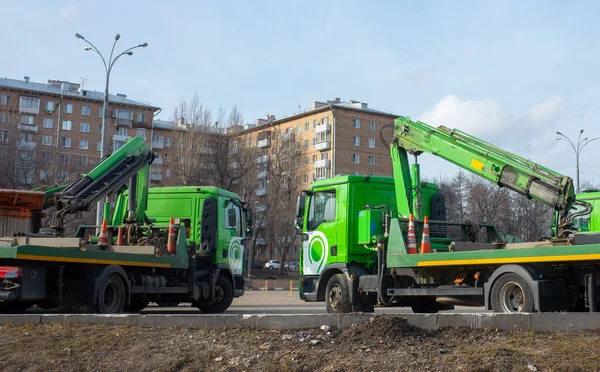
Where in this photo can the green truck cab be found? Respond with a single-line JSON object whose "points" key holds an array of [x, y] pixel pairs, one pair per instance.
{"points": [[355, 232]]}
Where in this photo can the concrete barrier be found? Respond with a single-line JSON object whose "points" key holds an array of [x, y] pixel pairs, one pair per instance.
{"points": [[507, 322]]}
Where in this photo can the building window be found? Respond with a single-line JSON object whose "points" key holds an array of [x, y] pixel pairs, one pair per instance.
{"points": [[100, 111], [85, 110], [356, 123], [314, 159], [306, 126], [5, 100], [25, 137], [372, 143], [158, 138], [100, 129], [298, 129], [46, 157], [47, 140], [64, 176], [65, 159], [83, 161], [325, 120], [27, 119], [48, 123], [49, 107], [121, 131], [305, 143], [29, 103], [371, 160], [124, 114], [3, 136], [372, 126], [99, 146], [83, 144], [169, 142], [356, 158], [84, 127], [67, 125], [4, 116], [68, 108], [168, 172], [306, 160], [356, 141], [167, 156], [117, 145], [322, 173], [66, 142], [140, 132], [141, 117], [315, 123], [306, 178], [43, 175]]}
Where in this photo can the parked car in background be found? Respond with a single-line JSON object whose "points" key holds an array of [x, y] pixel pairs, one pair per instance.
{"points": [[276, 265]]}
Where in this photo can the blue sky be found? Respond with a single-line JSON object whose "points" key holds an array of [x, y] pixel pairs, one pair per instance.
{"points": [[511, 72]]}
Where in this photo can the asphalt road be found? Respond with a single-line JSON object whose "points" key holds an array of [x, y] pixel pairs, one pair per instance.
{"points": [[283, 302]]}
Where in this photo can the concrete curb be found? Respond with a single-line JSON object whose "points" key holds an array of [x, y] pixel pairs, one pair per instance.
{"points": [[506, 322]]}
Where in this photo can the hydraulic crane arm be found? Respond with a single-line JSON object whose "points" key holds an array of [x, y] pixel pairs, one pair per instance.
{"points": [[486, 160], [129, 164]]}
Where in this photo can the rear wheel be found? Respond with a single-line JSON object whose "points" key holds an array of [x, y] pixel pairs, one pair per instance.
{"points": [[223, 297], [511, 294], [110, 297], [337, 295]]}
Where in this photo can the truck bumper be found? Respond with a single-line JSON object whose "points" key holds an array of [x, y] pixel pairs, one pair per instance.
{"points": [[307, 289]]}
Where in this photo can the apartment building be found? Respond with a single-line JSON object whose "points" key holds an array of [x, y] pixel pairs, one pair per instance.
{"points": [[50, 132], [334, 137]]}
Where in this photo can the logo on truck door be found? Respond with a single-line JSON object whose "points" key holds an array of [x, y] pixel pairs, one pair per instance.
{"points": [[236, 256], [314, 253]]}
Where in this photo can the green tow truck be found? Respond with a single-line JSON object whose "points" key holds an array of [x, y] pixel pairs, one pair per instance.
{"points": [[354, 232], [201, 262]]}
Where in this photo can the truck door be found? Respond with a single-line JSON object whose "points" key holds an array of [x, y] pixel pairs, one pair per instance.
{"points": [[235, 236], [320, 247]]}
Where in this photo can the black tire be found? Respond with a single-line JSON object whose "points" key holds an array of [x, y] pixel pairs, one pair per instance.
{"points": [[223, 297], [511, 294], [271, 268], [110, 297], [424, 306], [337, 295]]}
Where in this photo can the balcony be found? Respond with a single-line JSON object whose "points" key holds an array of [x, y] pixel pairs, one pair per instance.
{"points": [[142, 124], [157, 161], [322, 146], [261, 241], [262, 174], [207, 151], [235, 165], [323, 128], [27, 128], [26, 145], [260, 208], [261, 144], [326, 163], [121, 122], [158, 145], [120, 137], [261, 191], [262, 159], [156, 177], [29, 110]]}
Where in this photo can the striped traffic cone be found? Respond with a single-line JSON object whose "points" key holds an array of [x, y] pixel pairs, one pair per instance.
{"points": [[172, 240], [103, 236], [412, 240], [425, 242]]}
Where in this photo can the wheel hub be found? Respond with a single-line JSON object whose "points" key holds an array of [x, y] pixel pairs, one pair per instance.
{"points": [[335, 297], [512, 298]]}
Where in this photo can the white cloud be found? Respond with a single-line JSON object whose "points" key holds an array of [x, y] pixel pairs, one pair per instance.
{"points": [[68, 10]]}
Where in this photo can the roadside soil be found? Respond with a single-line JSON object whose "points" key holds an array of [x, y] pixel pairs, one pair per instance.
{"points": [[381, 344]]}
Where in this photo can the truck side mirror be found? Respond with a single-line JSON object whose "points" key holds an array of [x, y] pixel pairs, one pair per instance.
{"points": [[300, 211]]}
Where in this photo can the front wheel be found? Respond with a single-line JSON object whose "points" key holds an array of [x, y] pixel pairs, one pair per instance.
{"points": [[337, 295], [223, 297], [511, 294]]}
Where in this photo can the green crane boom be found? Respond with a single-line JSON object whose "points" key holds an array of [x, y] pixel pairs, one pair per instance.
{"points": [[486, 160]]}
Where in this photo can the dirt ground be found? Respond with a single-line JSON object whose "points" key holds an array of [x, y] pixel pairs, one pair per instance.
{"points": [[382, 344]]}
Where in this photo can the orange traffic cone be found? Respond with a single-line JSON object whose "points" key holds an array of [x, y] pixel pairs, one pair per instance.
{"points": [[425, 242], [412, 240], [120, 240], [103, 237], [172, 240]]}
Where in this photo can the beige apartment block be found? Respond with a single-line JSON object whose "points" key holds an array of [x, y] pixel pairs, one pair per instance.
{"points": [[333, 138], [55, 128]]}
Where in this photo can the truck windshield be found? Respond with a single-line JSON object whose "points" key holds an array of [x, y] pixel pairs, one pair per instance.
{"points": [[321, 208]]}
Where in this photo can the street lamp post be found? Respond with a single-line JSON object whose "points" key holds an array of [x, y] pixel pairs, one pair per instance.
{"points": [[107, 68], [577, 147]]}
